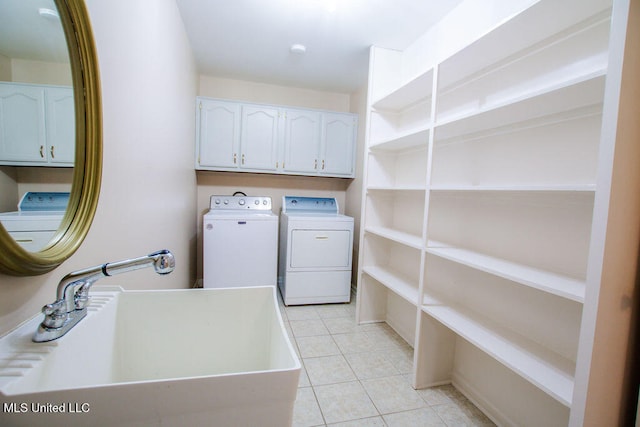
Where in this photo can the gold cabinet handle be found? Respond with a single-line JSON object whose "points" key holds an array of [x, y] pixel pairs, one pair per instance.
{"points": [[243, 158], [53, 156], [322, 164], [235, 158], [315, 164], [42, 151]]}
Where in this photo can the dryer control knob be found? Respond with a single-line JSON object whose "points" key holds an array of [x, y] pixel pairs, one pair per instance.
{"points": [[241, 202], [257, 202]]}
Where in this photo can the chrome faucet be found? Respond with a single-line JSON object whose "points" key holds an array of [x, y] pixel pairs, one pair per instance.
{"points": [[73, 292]]}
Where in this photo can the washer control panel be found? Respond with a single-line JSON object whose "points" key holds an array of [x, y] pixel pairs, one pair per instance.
{"points": [[260, 203]]}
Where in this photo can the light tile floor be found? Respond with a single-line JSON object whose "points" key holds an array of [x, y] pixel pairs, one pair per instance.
{"points": [[360, 375]]}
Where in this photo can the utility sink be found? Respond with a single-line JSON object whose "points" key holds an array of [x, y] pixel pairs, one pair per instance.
{"points": [[217, 357]]}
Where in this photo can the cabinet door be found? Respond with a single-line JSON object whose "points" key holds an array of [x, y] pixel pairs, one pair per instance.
{"points": [[22, 134], [61, 131], [338, 144], [302, 141], [218, 134], [259, 137]]}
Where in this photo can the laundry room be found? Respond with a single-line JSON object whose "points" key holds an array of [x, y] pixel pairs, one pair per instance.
{"points": [[426, 213]]}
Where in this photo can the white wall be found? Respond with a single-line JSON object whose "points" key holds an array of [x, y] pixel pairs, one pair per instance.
{"points": [[5, 68], [148, 195], [40, 72], [8, 188], [468, 21], [242, 90], [353, 198]]}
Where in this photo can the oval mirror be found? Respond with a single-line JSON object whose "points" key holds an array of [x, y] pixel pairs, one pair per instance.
{"points": [[72, 21]]}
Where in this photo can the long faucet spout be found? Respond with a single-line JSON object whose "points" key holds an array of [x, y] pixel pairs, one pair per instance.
{"points": [[73, 291], [162, 261]]}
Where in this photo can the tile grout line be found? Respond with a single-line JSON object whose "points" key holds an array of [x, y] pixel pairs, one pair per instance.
{"points": [[325, 320]]}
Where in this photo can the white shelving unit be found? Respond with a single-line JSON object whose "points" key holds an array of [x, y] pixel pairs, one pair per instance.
{"points": [[543, 368], [556, 284], [480, 187]]}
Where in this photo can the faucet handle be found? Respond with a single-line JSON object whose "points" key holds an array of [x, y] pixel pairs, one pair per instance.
{"points": [[54, 314], [52, 308], [81, 297]]}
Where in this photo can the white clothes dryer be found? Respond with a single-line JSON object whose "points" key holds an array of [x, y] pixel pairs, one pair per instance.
{"points": [[316, 244], [37, 219], [239, 242]]}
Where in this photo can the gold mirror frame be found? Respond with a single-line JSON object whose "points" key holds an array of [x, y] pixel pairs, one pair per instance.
{"points": [[87, 174]]}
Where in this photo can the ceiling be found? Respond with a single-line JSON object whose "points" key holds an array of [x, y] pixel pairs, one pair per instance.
{"points": [[250, 39], [27, 34]]}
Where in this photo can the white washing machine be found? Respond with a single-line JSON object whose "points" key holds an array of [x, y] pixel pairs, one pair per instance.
{"points": [[240, 242], [316, 244], [37, 219]]}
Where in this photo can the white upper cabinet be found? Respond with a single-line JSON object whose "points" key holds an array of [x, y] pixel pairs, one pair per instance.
{"points": [[259, 138], [22, 123], [302, 141], [219, 133], [338, 147], [243, 137], [37, 125], [61, 131]]}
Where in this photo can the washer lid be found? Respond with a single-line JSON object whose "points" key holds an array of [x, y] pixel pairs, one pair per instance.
{"points": [[221, 214]]}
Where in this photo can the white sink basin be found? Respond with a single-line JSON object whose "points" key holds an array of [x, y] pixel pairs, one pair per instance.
{"points": [[212, 357]]}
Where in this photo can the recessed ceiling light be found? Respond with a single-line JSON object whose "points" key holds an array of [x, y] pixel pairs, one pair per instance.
{"points": [[298, 49], [48, 13]]}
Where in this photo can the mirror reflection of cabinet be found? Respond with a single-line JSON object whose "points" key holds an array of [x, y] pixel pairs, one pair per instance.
{"points": [[60, 125], [21, 123], [37, 125], [76, 44]]}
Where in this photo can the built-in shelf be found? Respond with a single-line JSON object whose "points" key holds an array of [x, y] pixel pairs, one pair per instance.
{"points": [[396, 188], [547, 370], [479, 201], [556, 284], [394, 281], [577, 92], [413, 92], [581, 188], [401, 237], [508, 40], [408, 139], [547, 120]]}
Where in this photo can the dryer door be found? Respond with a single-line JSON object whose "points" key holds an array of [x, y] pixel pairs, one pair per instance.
{"points": [[320, 249]]}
